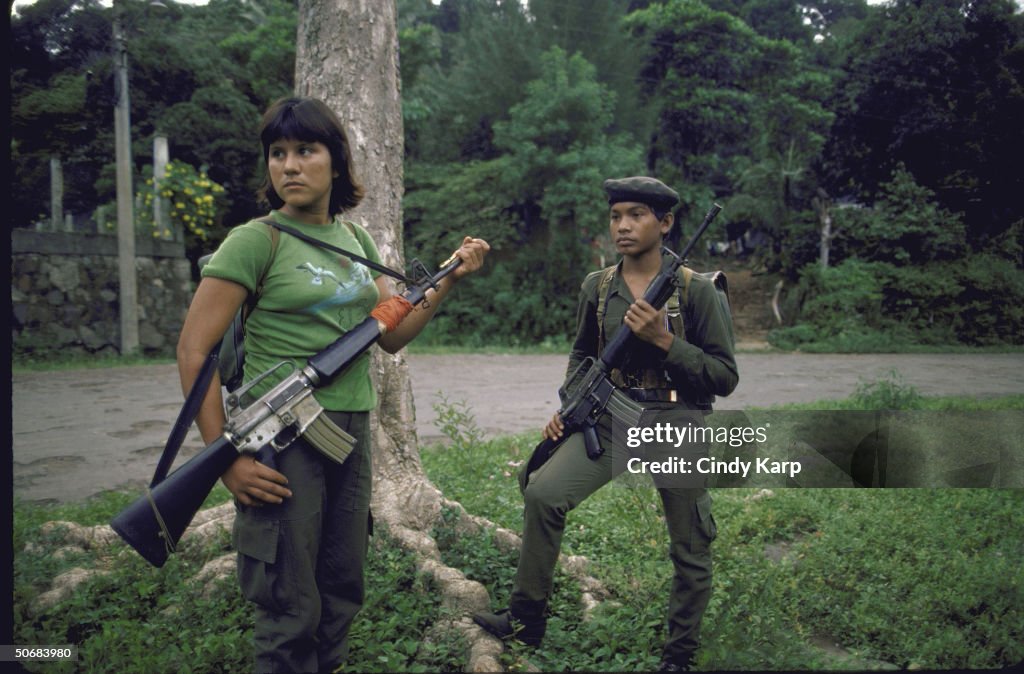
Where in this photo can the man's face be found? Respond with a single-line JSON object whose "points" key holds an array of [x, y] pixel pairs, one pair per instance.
{"points": [[635, 228]]}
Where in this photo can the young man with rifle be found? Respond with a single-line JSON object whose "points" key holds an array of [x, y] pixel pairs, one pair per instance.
{"points": [[629, 355]]}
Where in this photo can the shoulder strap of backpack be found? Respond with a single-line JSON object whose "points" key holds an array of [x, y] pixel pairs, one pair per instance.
{"points": [[250, 304], [604, 289]]}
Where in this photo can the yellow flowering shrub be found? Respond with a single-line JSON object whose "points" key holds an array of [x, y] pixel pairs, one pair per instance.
{"points": [[192, 199]]}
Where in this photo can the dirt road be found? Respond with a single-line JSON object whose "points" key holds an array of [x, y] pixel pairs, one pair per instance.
{"points": [[77, 433]]}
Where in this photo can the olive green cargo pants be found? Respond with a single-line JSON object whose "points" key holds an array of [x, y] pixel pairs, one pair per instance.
{"points": [[564, 482], [301, 562]]}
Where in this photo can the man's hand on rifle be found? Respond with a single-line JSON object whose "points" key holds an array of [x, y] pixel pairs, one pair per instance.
{"points": [[649, 324], [253, 483], [554, 429]]}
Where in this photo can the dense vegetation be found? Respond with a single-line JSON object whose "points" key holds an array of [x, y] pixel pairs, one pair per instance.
{"points": [[895, 123]]}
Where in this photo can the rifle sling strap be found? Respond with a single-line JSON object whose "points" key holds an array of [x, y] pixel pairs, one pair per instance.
{"points": [[358, 258], [164, 533]]}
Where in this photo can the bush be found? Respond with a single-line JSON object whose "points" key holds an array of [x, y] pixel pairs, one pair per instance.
{"points": [[891, 393], [860, 306], [990, 306]]}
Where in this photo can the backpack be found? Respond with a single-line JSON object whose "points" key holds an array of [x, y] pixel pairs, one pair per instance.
{"points": [[232, 346]]}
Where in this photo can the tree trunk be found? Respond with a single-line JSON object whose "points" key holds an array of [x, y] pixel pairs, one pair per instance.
{"points": [[347, 56], [822, 204]]}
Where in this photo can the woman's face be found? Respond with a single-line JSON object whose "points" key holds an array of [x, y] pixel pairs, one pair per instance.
{"points": [[301, 174]]}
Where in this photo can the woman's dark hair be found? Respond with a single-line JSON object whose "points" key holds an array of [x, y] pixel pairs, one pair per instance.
{"points": [[310, 120]]}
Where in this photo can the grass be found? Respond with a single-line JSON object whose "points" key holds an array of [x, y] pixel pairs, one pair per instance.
{"points": [[49, 362], [922, 578], [907, 578], [898, 578]]}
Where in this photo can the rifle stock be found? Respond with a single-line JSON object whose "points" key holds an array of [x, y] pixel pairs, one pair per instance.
{"points": [[154, 523]]}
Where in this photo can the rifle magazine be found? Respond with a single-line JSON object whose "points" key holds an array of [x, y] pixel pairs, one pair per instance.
{"points": [[329, 438], [624, 410]]}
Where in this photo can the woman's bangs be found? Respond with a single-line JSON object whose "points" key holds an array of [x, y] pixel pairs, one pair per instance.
{"points": [[294, 125]]}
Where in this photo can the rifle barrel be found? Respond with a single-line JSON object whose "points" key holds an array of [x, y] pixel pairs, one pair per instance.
{"points": [[712, 212]]}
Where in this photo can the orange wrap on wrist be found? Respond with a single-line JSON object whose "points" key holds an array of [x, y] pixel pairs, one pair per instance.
{"points": [[392, 311]]}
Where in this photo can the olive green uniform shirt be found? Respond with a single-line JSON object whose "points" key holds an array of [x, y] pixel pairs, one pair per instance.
{"points": [[700, 364]]}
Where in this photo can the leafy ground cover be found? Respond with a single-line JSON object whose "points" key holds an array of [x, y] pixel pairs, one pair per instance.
{"points": [[896, 578], [140, 619]]}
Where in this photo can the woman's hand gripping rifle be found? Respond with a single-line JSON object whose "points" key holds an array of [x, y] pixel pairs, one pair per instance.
{"points": [[154, 523], [589, 392]]}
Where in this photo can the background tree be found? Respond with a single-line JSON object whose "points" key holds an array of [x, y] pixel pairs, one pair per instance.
{"points": [[539, 203], [756, 103], [728, 100], [206, 100], [938, 88]]}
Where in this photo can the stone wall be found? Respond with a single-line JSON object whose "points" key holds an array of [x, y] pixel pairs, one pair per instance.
{"points": [[64, 293]]}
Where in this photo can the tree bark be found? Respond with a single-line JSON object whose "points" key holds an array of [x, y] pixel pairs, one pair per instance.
{"points": [[823, 205], [347, 56]]}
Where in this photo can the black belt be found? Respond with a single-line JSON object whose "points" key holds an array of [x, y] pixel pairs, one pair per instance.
{"points": [[652, 395]]}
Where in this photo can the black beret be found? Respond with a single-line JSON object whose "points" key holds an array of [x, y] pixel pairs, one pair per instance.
{"points": [[641, 189]]}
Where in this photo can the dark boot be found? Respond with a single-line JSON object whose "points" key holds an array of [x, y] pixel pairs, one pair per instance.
{"points": [[527, 627], [676, 663]]}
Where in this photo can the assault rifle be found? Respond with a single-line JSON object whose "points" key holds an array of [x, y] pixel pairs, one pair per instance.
{"points": [[154, 523], [589, 392]]}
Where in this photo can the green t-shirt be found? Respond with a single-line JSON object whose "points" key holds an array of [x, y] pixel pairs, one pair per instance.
{"points": [[311, 296]]}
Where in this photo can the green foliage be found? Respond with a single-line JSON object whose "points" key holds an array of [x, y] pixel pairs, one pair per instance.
{"points": [[877, 306], [906, 277], [931, 85], [711, 97], [891, 393], [991, 302], [513, 116], [206, 101], [533, 204], [884, 561], [845, 298], [906, 226], [457, 422]]}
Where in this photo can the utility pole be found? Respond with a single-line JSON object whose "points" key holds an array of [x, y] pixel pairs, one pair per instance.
{"points": [[127, 283]]}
